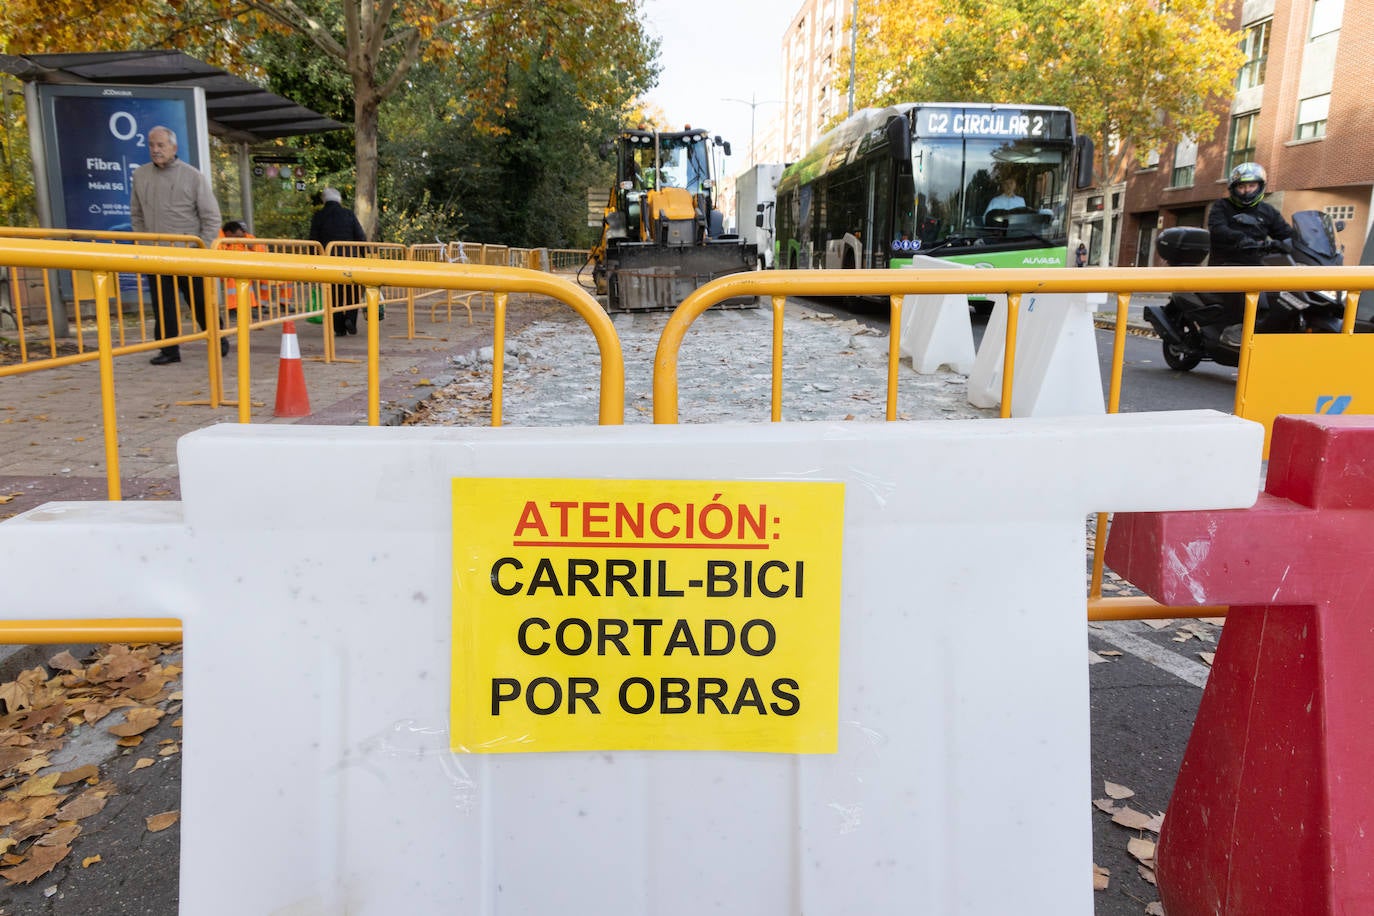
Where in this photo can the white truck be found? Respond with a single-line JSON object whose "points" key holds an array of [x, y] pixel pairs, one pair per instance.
{"points": [[754, 217]]}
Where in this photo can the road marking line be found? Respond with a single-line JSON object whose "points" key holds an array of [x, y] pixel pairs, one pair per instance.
{"points": [[1120, 635]]}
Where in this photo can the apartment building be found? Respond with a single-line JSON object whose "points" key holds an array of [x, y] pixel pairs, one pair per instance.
{"points": [[1301, 109], [815, 52]]}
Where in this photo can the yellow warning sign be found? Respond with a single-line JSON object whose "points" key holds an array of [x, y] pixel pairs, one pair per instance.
{"points": [[646, 615]]}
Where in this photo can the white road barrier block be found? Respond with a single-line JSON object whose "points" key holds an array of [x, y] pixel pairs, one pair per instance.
{"points": [[1057, 370], [936, 329], [341, 595]]}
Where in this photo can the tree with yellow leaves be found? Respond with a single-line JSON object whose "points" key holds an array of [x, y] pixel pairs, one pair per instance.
{"points": [[1136, 73], [376, 42]]}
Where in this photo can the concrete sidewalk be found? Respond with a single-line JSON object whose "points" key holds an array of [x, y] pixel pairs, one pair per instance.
{"points": [[51, 438]]}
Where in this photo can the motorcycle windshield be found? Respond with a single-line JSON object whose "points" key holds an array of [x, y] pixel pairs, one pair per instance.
{"points": [[1312, 231]]}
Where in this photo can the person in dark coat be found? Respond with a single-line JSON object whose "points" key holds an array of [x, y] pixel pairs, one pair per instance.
{"points": [[333, 222], [1242, 228]]}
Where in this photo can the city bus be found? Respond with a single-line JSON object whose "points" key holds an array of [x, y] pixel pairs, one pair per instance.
{"points": [[987, 185]]}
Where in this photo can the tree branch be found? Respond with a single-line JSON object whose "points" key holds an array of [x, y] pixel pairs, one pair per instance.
{"points": [[288, 14], [409, 56]]}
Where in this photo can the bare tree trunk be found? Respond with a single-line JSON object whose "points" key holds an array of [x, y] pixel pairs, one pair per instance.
{"points": [[366, 104]]}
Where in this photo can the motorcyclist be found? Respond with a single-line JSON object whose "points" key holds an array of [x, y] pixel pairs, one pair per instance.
{"points": [[1241, 226]]}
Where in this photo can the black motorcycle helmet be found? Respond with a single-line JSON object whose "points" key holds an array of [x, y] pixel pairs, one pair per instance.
{"points": [[1241, 174]]}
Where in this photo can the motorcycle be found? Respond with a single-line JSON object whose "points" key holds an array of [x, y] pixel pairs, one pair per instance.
{"points": [[1198, 326]]}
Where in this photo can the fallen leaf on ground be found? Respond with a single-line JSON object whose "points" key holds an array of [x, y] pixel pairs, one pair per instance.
{"points": [[11, 811], [1110, 653], [158, 822], [11, 756], [84, 805], [1147, 873], [1197, 630], [137, 721], [1141, 849], [1155, 909], [1207, 657], [41, 860], [14, 696], [33, 765], [1101, 877], [89, 771], [61, 836], [1132, 819], [1117, 791], [36, 786], [63, 661], [143, 762], [1158, 624], [89, 861]]}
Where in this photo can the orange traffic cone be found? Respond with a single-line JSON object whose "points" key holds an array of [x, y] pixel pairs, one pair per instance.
{"points": [[292, 400]]}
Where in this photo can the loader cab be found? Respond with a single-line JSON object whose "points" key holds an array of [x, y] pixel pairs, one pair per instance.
{"points": [[665, 179]]}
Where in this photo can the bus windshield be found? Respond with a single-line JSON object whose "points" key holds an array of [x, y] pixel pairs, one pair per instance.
{"points": [[982, 184], [988, 189]]}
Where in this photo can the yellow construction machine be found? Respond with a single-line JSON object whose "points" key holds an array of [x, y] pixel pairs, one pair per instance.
{"points": [[661, 233]]}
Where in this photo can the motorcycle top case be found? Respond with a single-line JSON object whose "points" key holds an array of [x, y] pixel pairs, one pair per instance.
{"points": [[1183, 245]]}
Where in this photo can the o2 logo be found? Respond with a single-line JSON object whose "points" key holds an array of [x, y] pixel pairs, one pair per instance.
{"points": [[124, 126]]}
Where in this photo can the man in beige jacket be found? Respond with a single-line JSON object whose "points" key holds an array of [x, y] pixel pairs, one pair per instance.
{"points": [[172, 197]]}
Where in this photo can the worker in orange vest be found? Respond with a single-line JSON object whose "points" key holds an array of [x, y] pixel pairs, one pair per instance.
{"points": [[235, 229]]}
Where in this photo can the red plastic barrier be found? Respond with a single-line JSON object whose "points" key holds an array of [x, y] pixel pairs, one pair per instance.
{"points": [[1273, 811]]}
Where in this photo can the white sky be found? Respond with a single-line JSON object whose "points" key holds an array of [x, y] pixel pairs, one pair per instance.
{"points": [[720, 49]]}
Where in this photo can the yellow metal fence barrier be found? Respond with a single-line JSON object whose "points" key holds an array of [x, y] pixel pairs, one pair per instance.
{"points": [[391, 272], [777, 286], [271, 302], [1014, 283], [38, 297]]}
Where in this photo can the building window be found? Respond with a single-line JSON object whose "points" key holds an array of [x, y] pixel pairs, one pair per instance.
{"points": [[1344, 212], [1326, 18], [1255, 44], [1185, 158], [1312, 117], [1241, 147]]}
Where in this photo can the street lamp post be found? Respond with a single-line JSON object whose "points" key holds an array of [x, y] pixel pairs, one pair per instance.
{"points": [[753, 104], [853, 52]]}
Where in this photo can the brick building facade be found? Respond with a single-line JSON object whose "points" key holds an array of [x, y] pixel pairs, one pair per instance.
{"points": [[1302, 109]]}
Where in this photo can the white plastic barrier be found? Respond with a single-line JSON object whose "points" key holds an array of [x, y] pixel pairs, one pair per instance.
{"points": [[943, 615], [936, 330], [1057, 369]]}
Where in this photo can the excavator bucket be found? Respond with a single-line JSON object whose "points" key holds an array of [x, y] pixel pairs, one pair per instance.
{"points": [[646, 276]]}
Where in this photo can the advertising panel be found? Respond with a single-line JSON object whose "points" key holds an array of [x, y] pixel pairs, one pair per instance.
{"points": [[89, 139]]}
